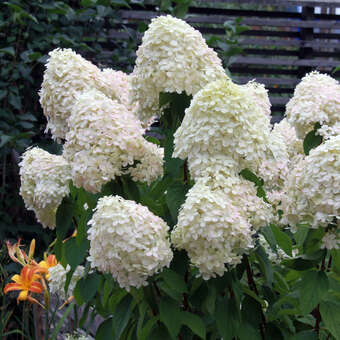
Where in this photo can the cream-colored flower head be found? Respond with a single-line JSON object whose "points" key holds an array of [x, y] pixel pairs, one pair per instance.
{"points": [[212, 230], [173, 57], [260, 94], [293, 144], [128, 241], [316, 100], [150, 164], [115, 85], [44, 183], [223, 119], [66, 76], [104, 138], [57, 280], [312, 188]]}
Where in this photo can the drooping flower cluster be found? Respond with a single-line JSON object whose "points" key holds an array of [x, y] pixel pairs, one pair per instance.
{"points": [[57, 280], [312, 188], [260, 95], [44, 183], [225, 130], [127, 240], [215, 224], [223, 124], [103, 138], [316, 100], [67, 74], [90, 109], [206, 220], [173, 57]]}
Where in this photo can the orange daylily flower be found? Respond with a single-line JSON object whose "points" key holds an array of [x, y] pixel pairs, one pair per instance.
{"points": [[27, 283], [18, 255], [44, 265]]}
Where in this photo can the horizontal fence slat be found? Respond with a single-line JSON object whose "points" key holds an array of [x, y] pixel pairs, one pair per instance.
{"points": [[286, 62], [268, 81], [283, 3]]}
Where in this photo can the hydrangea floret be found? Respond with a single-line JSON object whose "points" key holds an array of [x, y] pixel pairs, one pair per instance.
{"points": [[173, 57], [128, 241], [44, 183]]}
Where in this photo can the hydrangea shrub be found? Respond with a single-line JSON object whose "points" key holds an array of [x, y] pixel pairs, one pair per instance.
{"points": [[220, 227]]}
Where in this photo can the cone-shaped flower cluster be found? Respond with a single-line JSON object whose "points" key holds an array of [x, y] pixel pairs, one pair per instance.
{"points": [[44, 183], [225, 129], [312, 188], [316, 100], [173, 57], [127, 240]]}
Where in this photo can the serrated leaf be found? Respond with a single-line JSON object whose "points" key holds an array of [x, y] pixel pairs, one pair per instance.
{"points": [[174, 280], [87, 287], [170, 315], [330, 311], [282, 239], [195, 323], [313, 288], [75, 253]]}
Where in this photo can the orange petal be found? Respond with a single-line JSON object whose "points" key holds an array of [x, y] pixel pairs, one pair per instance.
{"points": [[52, 260], [36, 287], [12, 286]]}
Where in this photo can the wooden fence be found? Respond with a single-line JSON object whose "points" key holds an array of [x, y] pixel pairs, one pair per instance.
{"points": [[285, 39]]}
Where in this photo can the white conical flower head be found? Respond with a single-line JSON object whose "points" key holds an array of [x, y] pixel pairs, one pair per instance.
{"points": [[128, 241], [312, 188], [44, 183], [224, 120], [104, 138], [66, 76], [173, 57], [316, 100]]}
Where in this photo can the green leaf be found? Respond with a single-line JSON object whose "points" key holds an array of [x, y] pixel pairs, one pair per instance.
{"points": [[14, 100], [86, 288], [147, 328], [283, 240], [8, 50], [336, 69], [313, 288], [105, 330], [75, 253], [174, 280], [170, 315], [269, 236], [312, 140], [305, 335], [5, 139], [248, 332], [175, 197], [313, 240], [122, 315], [330, 311], [226, 318], [195, 323], [265, 265]]}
